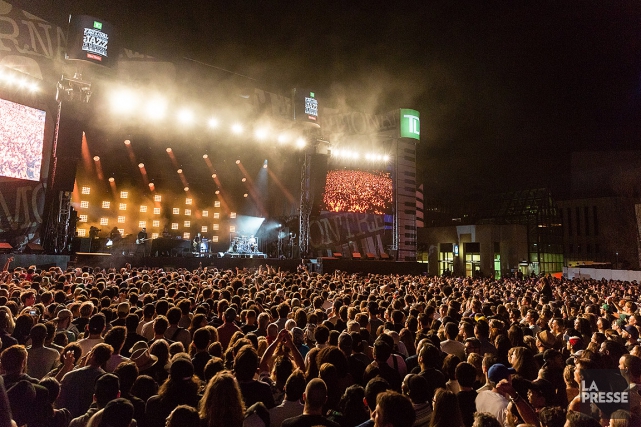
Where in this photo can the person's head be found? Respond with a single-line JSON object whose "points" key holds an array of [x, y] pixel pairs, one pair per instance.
{"points": [[117, 413], [246, 363], [416, 388], [38, 334], [127, 372], [13, 360], [222, 404], [183, 416], [374, 387], [465, 374], [485, 419], [315, 395], [116, 338], [394, 410], [499, 372], [552, 416], [96, 324], [579, 419], [106, 388], [630, 367], [295, 386], [100, 354]]}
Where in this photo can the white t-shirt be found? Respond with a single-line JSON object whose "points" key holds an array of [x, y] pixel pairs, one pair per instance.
{"points": [[494, 403]]}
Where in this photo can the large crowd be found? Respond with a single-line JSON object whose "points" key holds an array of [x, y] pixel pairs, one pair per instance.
{"points": [[357, 191], [22, 135], [261, 347]]}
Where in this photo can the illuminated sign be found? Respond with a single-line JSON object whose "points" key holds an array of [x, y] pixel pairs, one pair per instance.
{"points": [[305, 106], [311, 107], [91, 40], [410, 124]]}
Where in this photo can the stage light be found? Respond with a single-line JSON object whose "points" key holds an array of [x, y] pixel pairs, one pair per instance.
{"points": [[205, 156], [186, 189], [141, 165], [96, 158], [336, 152], [179, 171], [33, 87], [123, 101], [386, 158], [237, 128], [300, 142], [237, 162], [245, 195], [243, 180], [151, 185], [127, 142], [213, 122], [217, 192], [260, 134], [265, 166], [186, 116], [156, 109], [111, 179], [168, 150], [213, 175], [368, 156], [282, 138]]}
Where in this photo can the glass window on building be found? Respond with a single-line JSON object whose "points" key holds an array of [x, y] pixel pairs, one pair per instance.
{"points": [[472, 259], [497, 260], [446, 258]]}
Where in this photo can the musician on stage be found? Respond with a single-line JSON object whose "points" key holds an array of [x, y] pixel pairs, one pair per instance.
{"points": [[196, 242], [142, 235], [114, 234], [140, 242]]}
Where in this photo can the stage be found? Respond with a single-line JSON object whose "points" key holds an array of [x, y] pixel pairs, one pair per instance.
{"points": [[106, 260]]}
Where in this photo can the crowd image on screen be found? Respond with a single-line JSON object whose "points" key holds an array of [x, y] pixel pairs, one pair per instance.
{"points": [[137, 346], [357, 191], [21, 140]]}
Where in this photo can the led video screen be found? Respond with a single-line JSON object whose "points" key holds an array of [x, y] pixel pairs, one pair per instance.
{"points": [[22, 132], [357, 191]]}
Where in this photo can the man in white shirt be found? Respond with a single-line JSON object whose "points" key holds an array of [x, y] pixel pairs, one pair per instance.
{"points": [[450, 345], [96, 326], [291, 406]]}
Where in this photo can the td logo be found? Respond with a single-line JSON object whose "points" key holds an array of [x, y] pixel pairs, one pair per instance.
{"points": [[410, 124]]}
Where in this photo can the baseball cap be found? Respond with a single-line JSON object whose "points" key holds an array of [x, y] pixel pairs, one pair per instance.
{"points": [[498, 372]]}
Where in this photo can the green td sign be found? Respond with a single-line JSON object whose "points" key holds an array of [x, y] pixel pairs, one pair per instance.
{"points": [[410, 124]]}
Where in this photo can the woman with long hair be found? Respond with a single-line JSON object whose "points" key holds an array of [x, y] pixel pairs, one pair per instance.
{"points": [[21, 331], [222, 404], [522, 360], [446, 411], [181, 388]]}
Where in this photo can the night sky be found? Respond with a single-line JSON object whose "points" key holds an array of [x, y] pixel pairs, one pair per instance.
{"points": [[506, 90]]}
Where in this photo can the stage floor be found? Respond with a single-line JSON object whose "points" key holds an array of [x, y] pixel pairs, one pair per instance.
{"points": [[106, 260]]}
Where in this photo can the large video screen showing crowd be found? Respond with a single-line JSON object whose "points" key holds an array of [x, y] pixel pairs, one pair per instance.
{"points": [[358, 191], [21, 140]]}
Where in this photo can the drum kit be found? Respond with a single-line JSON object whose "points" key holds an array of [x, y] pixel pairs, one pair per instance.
{"points": [[244, 245]]}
